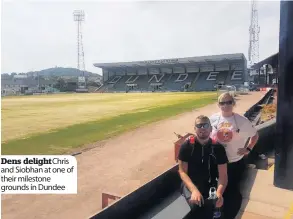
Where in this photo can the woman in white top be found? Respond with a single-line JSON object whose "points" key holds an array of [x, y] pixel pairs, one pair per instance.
{"points": [[233, 130]]}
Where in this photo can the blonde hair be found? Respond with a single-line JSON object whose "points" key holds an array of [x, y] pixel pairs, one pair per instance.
{"points": [[226, 94]]}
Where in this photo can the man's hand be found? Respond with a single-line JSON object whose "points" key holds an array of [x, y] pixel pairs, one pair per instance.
{"points": [[196, 198], [243, 151], [220, 201]]}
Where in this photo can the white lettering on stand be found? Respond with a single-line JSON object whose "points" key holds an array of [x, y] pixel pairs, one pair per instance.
{"points": [[237, 75], [132, 79], [180, 79], [115, 80], [156, 78], [212, 76]]}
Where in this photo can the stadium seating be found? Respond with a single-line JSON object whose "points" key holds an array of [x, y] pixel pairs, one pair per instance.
{"points": [[203, 81], [142, 83], [202, 84], [179, 82]]}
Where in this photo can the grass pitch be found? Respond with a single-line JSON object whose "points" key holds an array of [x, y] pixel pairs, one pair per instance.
{"points": [[56, 123]]}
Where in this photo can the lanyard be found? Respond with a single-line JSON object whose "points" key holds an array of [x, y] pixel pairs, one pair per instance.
{"points": [[209, 160]]}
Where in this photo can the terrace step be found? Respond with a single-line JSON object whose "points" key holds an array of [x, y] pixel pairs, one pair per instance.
{"points": [[261, 198]]}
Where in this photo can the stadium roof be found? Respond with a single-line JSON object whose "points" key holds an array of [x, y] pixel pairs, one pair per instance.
{"points": [[272, 60], [173, 61]]}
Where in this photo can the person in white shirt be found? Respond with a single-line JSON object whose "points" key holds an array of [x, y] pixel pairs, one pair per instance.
{"points": [[233, 130]]}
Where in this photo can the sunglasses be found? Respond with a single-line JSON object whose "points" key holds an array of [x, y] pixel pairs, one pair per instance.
{"points": [[230, 102], [202, 125]]}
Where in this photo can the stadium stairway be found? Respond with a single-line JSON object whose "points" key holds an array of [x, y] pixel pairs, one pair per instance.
{"points": [[192, 86], [202, 84], [227, 80], [103, 88], [222, 77], [98, 89]]}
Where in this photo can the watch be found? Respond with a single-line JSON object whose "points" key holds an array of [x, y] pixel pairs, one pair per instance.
{"points": [[249, 149]]}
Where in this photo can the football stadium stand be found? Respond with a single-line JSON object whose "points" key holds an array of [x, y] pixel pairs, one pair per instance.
{"points": [[202, 73]]}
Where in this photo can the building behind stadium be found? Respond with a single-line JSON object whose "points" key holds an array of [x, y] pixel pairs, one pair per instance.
{"points": [[202, 73]]}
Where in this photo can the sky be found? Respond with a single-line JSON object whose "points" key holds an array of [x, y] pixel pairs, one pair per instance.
{"points": [[42, 34]]}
